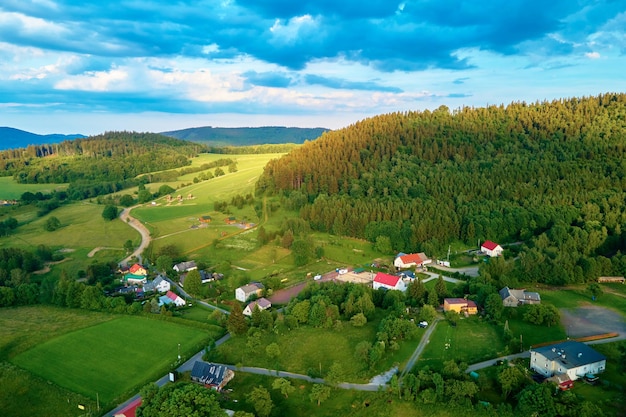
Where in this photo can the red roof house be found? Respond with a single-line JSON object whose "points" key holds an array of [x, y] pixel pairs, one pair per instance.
{"points": [[138, 270], [390, 282], [404, 260], [490, 248]]}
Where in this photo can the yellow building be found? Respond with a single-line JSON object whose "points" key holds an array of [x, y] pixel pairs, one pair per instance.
{"points": [[460, 305]]}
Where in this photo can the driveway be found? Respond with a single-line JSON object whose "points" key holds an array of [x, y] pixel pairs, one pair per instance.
{"points": [[138, 226]]}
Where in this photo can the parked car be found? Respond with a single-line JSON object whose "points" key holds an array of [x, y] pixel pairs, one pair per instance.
{"points": [[591, 379], [423, 324], [317, 277]]}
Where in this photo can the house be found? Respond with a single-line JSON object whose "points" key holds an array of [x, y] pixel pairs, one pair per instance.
{"points": [[170, 298], [185, 266], [460, 305], [389, 282], [205, 277], [205, 219], [262, 303], [491, 249], [137, 269], [514, 298], [131, 279], [562, 381], [404, 261], [130, 409], [211, 375], [253, 289], [230, 220], [158, 284], [572, 358]]}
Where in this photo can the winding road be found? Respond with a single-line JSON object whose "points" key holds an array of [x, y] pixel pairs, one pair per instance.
{"points": [[143, 231]]}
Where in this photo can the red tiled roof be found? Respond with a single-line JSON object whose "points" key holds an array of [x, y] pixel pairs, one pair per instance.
{"points": [[172, 296], [135, 268], [488, 244], [411, 258], [386, 279], [130, 409]]}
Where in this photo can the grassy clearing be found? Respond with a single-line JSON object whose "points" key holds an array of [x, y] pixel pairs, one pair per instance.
{"points": [[112, 358], [471, 341], [11, 190]]}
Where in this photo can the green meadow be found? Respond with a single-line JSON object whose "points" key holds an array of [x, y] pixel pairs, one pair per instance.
{"points": [[112, 358], [11, 190]]}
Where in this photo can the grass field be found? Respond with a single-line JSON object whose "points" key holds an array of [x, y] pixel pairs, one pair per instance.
{"points": [[111, 358], [471, 341], [10, 190]]}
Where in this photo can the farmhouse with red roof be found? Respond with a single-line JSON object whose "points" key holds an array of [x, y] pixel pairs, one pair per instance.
{"points": [[138, 270], [389, 282], [490, 248], [404, 261]]}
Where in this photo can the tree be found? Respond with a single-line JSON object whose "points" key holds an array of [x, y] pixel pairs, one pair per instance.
{"points": [[428, 313], [52, 224], [272, 351], [319, 393], [301, 251], [193, 282], [182, 399], [417, 291], [261, 401], [511, 378], [537, 399], [236, 323], [433, 298], [494, 306], [383, 245], [127, 200], [336, 374], [440, 287], [358, 320], [128, 245], [595, 289], [284, 386], [109, 213], [164, 263]]}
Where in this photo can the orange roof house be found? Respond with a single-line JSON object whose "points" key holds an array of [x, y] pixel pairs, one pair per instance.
{"points": [[404, 260], [138, 270], [460, 305]]}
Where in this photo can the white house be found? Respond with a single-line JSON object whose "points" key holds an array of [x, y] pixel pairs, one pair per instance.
{"points": [[262, 303], [170, 298], [158, 284], [244, 293], [514, 298], [390, 282], [491, 249], [185, 266], [575, 359], [404, 261]]}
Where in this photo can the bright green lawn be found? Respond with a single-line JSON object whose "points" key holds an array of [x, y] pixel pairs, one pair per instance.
{"points": [[10, 190], [471, 341], [111, 358]]}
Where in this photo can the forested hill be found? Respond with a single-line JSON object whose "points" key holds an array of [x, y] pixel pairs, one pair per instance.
{"points": [[246, 136], [112, 156], [11, 138], [552, 174]]}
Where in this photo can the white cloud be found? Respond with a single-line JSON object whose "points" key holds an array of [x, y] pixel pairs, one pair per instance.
{"points": [[295, 28], [592, 55], [112, 80]]}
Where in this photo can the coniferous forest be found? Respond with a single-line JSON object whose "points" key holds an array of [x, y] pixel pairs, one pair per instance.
{"points": [[550, 174]]}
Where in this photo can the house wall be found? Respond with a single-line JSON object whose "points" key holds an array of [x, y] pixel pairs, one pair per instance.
{"points": [[240, 295], [510, 301], [452, 307], [548, 368]]}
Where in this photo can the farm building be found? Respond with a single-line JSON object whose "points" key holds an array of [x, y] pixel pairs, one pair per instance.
{"points": [[205, 219], [491, 249], [244, 293], [185, 266], [159, 284], [137, 269], [389, 282], [572, 358], [230, 220], [171, 298], [514, 298], [130, 279], [460, 305], [262, 303], [404, 261], [211, 375], [612, 279]]}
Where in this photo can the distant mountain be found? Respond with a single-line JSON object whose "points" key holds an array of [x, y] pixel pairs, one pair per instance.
{"points": [[11, 138], [245, 136]]}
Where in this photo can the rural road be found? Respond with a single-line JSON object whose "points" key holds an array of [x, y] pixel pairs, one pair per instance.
{"points": [[138, 226], [420, 347]]}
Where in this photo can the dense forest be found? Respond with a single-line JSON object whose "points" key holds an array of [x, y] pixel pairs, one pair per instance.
{"points": [[550, 174], [246, 136], [112, 156]]}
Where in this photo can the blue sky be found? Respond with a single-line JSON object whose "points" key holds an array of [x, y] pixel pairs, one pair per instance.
{"points": [[91, 66]]}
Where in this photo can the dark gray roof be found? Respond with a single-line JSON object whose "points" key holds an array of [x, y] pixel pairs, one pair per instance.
{"points": [[519, 294], [208, 373], [571, 354]]}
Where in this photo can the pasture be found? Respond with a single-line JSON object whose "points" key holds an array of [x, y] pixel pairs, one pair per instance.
{"points": [[113, 358], [11, 190]]}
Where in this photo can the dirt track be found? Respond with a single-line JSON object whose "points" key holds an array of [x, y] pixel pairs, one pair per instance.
{"points": [[591, 320]]}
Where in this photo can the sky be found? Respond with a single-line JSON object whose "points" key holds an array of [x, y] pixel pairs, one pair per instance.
{"points": [[90, 66]]}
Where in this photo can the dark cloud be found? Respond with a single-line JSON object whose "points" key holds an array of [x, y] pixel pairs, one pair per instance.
{"points": [[343, 84]]}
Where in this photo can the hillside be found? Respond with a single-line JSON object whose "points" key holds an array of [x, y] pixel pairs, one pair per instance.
{"points": [[246, 136], [11, 138], [550, 172]]}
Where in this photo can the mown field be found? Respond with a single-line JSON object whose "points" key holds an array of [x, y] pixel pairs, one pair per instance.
{"points": [[10, 190], [111, 358]]}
